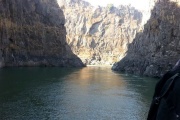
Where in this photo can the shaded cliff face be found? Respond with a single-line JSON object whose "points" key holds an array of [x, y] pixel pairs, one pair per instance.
{"points": [[32, 33], [157, 48], [99, 36]]}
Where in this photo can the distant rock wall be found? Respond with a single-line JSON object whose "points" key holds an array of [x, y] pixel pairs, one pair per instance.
{"points": [[32, 33], [99, 36], [157, 48]]}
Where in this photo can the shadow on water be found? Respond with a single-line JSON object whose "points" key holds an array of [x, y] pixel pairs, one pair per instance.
{"points": [[15, 80], [23, 91], [69, 93]]}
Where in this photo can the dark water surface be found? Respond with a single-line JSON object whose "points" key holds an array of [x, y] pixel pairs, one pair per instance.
{"points": [[91, 93]]}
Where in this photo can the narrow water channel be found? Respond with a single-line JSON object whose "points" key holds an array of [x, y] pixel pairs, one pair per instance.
{"points": [[91, 93]]}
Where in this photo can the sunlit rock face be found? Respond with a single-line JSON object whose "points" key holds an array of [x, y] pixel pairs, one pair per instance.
{"points": [[156, 49], [32, 33], [100, 35]]}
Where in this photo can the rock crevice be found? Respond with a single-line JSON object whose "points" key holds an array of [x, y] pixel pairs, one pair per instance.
{"points": [[100, 35], [156, 49]]}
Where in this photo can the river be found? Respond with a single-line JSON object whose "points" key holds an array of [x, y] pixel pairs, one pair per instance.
{"points": [[91, 93]]}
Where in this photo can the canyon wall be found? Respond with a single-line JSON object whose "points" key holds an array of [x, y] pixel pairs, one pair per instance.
{"points": [[32, 33], [156, 49], [100, 35]]}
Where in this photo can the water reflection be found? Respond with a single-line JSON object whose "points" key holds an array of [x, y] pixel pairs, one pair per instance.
{"points": [[78, 94], [97, 75]]}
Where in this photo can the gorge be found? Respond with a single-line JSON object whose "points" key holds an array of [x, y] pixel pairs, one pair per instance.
{"points": [[106, 35], [56, 33], [45, 44]]}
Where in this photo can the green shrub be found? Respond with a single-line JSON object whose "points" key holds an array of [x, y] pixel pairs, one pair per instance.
{"points": [[110, 6]]}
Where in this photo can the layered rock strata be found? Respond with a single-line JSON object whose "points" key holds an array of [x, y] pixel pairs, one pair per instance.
{"points": [[32, 33], [157, 48], [100, 35]]}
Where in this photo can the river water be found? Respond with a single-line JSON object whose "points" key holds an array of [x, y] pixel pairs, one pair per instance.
{"points": [[91, 93]]}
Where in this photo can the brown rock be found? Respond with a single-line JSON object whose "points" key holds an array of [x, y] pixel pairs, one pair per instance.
{"points": [[32, 33]]}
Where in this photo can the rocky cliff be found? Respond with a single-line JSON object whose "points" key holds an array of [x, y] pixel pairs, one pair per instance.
{"points": [[32, 33], [100, 35], [157, 48]]}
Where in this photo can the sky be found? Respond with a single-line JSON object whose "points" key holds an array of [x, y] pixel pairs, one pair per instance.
{"points": [[139, 4]]}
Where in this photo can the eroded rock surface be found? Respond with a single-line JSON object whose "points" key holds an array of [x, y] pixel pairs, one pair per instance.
{"points": [[32, 33], [100, 35], [156, 49]]}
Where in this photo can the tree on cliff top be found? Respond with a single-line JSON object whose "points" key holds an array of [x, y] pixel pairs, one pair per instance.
{"points": [[109, 6]]}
